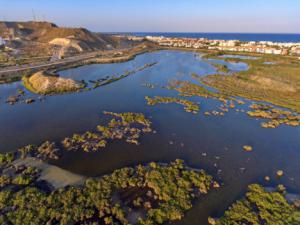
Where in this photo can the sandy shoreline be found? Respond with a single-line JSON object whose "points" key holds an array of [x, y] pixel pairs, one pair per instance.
{"points": [[54, 175]]}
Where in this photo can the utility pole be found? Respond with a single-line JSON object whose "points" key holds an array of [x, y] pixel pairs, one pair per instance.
{"points": [[33, 15]]}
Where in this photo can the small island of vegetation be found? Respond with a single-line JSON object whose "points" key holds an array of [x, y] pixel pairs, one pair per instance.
{"points": [[189, 106], [104, 81], [275, 117], [128, 126]]}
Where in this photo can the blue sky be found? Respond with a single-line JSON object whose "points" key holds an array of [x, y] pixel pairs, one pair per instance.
{"points": [[263, 16]]}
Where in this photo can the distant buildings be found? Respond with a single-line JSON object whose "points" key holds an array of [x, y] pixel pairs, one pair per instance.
{"points": [[265, 47], [2, 42], [295, 50], [135, 38], [230, 43]]}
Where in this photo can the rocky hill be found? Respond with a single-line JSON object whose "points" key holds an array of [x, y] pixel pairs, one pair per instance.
{"points": [[49, 36]]}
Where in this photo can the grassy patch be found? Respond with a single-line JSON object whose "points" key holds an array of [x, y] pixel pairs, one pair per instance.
{"points": [[276, 83], [188, 89]]}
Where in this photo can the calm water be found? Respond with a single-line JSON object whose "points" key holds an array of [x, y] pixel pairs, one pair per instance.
{"points": [[61, 116], [239, 57], [230, 36]]}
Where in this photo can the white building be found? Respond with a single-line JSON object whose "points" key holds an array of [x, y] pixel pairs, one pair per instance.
{"points": [[295, 50], [229, 43], [273, 51], [2, 42]]}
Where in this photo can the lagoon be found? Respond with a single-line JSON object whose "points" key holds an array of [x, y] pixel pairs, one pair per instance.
{"points": [[212, 143]]}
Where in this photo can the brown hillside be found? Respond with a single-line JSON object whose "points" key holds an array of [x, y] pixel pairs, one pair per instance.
{"points": [[44, 32]]}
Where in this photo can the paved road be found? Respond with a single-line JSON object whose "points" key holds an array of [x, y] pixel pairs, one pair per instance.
{"points": [[13, 69]]}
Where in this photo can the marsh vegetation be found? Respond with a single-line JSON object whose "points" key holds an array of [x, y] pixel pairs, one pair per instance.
{"points": [[274, 116], [260, 206], [276, 83], [188, 89], [221, 68], [128, 126], [162, 193], [189, 106]]}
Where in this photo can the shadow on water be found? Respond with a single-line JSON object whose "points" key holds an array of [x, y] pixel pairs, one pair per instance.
{"points": [[179, 134]]}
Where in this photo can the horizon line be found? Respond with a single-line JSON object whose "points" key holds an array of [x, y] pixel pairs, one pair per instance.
{"points": [[195, 32]]}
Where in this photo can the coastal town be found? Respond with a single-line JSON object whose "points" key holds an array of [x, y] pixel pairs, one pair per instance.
{"points": [[263, 47], [16, 46]]}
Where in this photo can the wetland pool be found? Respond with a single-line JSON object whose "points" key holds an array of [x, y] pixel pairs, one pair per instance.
{"points": [[212, 143]]}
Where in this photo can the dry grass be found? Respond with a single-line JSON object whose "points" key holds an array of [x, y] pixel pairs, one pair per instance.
{"points": [[278, 84], [44, 84]]}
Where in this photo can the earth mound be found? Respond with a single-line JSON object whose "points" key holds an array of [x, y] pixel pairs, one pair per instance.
{"points": [[42, 83]]}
